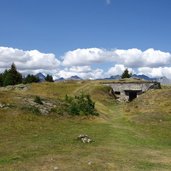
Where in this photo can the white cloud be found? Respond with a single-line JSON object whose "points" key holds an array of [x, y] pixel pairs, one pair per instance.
{"points": [[81, 71], [80, 57], [118, 70], [156, 72], [30, 61], [154, 63], [130, 58]]}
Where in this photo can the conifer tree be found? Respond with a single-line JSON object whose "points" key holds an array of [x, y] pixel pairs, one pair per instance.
{"points": [[12, 76], [126, 74], [49, 78]]}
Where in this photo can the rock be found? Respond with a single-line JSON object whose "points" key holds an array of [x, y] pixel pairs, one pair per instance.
{"points": [[84, 138], [89, 163], [22, 87], [56, 168], [4, 106], [44, 108]]}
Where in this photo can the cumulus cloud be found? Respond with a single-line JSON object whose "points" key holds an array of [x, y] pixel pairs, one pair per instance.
{"points": [[80, 57], [130, 58], [156, 72], [151, 62], [118, 70], [85, 72], [31, 61], [80, 69]]}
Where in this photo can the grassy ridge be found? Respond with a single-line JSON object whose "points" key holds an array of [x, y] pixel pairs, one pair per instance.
{"points": [[126, 136]]}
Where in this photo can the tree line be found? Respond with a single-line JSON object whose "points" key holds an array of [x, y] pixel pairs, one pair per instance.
{"points": [[13, 77]]}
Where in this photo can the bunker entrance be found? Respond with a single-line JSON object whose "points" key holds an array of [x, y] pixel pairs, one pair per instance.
{"points": [[132, 94]]}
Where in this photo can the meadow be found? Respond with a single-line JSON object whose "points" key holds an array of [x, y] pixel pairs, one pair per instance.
{"points": [[131, 136]]}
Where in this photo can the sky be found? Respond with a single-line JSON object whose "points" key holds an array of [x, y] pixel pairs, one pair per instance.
{"points": [[89, 38]]}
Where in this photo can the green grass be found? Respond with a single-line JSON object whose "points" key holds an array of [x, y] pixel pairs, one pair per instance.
{"points": [[126, 137]]}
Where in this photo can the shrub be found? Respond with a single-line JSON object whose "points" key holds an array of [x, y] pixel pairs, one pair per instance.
{"points": [[38, 100], [80, 105]]}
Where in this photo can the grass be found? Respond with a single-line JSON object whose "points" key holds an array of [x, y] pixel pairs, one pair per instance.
{"points": [[126, 137]]}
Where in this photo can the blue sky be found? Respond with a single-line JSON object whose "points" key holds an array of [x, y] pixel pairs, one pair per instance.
{"points": [[60, 26]]}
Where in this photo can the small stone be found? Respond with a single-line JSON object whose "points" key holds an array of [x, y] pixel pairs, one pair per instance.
{"points": [[56, 168], [84, 138], [89, 163]]}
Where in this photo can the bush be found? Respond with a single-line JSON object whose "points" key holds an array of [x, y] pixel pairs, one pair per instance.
{"points": [[80, 105], [38, 100]]}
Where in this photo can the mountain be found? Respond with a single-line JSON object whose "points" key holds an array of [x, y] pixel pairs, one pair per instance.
{"points": [[40, 76], [116, 77], [75, 77], [144, 77], [59, 79], [163, 80]]}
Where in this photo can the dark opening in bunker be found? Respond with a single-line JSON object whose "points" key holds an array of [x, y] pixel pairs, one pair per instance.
{"points": [[132, 94], [117, 92]]}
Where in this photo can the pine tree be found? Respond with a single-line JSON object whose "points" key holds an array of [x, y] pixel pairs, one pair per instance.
{"points": [[1, 80], [12, 76], [31, 79], [49, 78], [126, 74]]}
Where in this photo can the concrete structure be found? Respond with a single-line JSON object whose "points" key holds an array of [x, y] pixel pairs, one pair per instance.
{"points": [[127, 91]]}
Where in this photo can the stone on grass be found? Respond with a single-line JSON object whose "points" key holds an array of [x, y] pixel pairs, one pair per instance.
{"points": [[84, 138]]}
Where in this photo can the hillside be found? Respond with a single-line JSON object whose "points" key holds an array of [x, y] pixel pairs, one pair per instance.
{"points": [[131, 137]]}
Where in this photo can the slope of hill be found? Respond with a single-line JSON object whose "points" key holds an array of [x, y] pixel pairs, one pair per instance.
{"points": [[133, 136]]}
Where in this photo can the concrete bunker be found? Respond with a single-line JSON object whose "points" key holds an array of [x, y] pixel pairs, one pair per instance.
{"points": [[128, 91]]}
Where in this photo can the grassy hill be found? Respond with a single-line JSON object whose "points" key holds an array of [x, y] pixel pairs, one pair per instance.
{"points": [[130, 137]]}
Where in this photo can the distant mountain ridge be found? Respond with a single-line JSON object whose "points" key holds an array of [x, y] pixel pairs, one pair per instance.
{"points": [[75, 77], [143, 77], [163, 80]]}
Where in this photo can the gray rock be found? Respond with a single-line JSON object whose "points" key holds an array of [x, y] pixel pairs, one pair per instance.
{"points": [[44, 109], [4, 106], [84, 138]]}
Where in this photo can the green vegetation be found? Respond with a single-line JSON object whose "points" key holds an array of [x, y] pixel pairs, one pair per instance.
{"points": [[10, 77], [49, 78], [126, 74], [38, 100], [80, 105], [30, 79], [129, 137]]}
